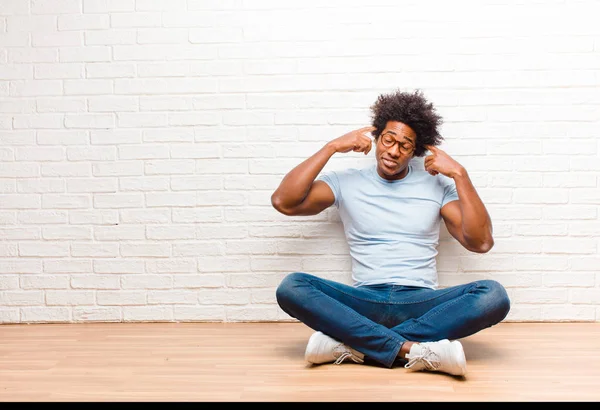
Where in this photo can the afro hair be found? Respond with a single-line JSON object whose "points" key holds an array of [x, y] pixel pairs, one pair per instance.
{"points": [[412, 109]]}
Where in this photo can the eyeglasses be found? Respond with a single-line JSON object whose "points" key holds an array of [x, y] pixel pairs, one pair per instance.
{"points": [[405, 148]]}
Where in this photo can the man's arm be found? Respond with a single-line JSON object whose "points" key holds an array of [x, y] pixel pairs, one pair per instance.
{"points": [[299, 194], [467, 219]]}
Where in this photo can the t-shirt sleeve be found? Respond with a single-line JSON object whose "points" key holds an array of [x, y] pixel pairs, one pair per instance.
{"points": [[450, 193], [331, 179]]}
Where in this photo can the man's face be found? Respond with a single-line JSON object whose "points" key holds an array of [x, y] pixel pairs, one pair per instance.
{"points": [[395, 148]]}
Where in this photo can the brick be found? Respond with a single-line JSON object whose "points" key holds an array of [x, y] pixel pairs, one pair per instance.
{"points": [[45, 314]]}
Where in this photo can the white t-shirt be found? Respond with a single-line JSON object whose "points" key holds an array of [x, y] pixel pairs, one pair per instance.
{"points": [[392, 227]]}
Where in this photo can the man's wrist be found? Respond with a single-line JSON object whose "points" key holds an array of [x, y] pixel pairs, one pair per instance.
{"points": [[330, 147], [458, 173]]}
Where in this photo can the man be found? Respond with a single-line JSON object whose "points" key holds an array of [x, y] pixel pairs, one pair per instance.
{"points": [[395, 311]]}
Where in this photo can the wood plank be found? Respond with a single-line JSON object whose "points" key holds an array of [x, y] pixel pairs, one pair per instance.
{"points": [[265, 362]]}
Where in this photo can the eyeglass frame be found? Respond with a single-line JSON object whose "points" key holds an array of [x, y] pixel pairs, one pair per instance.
{"points": [[401, 144]]}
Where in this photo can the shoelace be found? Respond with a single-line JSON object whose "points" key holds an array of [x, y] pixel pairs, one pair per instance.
{"points": [[428, 358], [345, 353]]}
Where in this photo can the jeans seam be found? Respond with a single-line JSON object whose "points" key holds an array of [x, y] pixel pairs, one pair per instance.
{"points": [[422, 300], [454, 301], [348, 294]]}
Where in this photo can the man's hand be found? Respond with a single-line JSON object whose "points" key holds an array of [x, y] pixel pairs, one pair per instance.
{"points": [[441, 163], [356, 141]]}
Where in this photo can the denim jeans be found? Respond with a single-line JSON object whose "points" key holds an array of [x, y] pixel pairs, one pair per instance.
{"points": [[376, 320]]}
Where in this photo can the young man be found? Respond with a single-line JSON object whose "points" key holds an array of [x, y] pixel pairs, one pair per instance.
{"points": [[395, 311]]}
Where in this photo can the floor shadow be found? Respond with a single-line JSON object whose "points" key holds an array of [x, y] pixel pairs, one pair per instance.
{"points": [[475, 351], [293, 349]]}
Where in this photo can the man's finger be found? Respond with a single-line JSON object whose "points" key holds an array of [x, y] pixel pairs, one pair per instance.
{"points": [[366, 140], [360, 147], [429, 166], [367, 130], [431, 170]]}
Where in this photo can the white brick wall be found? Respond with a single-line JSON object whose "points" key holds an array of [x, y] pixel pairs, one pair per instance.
{"points": [[140, 141]]}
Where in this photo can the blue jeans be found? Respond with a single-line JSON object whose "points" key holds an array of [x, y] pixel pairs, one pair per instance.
{"points": [[376, 320]]}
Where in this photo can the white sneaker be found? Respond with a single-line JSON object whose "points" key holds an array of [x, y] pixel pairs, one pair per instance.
{"points": [[442, 356], [324, 349]]}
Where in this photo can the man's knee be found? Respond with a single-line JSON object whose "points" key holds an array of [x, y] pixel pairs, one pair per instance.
{"points": [[290, 288], [497, 300]]}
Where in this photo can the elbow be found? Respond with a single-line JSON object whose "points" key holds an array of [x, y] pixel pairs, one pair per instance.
{"points": [[484, 247], [277, 203], [478, 244]]}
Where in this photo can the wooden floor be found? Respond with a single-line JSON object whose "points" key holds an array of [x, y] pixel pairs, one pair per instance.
{"points": [[264, 362]]}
